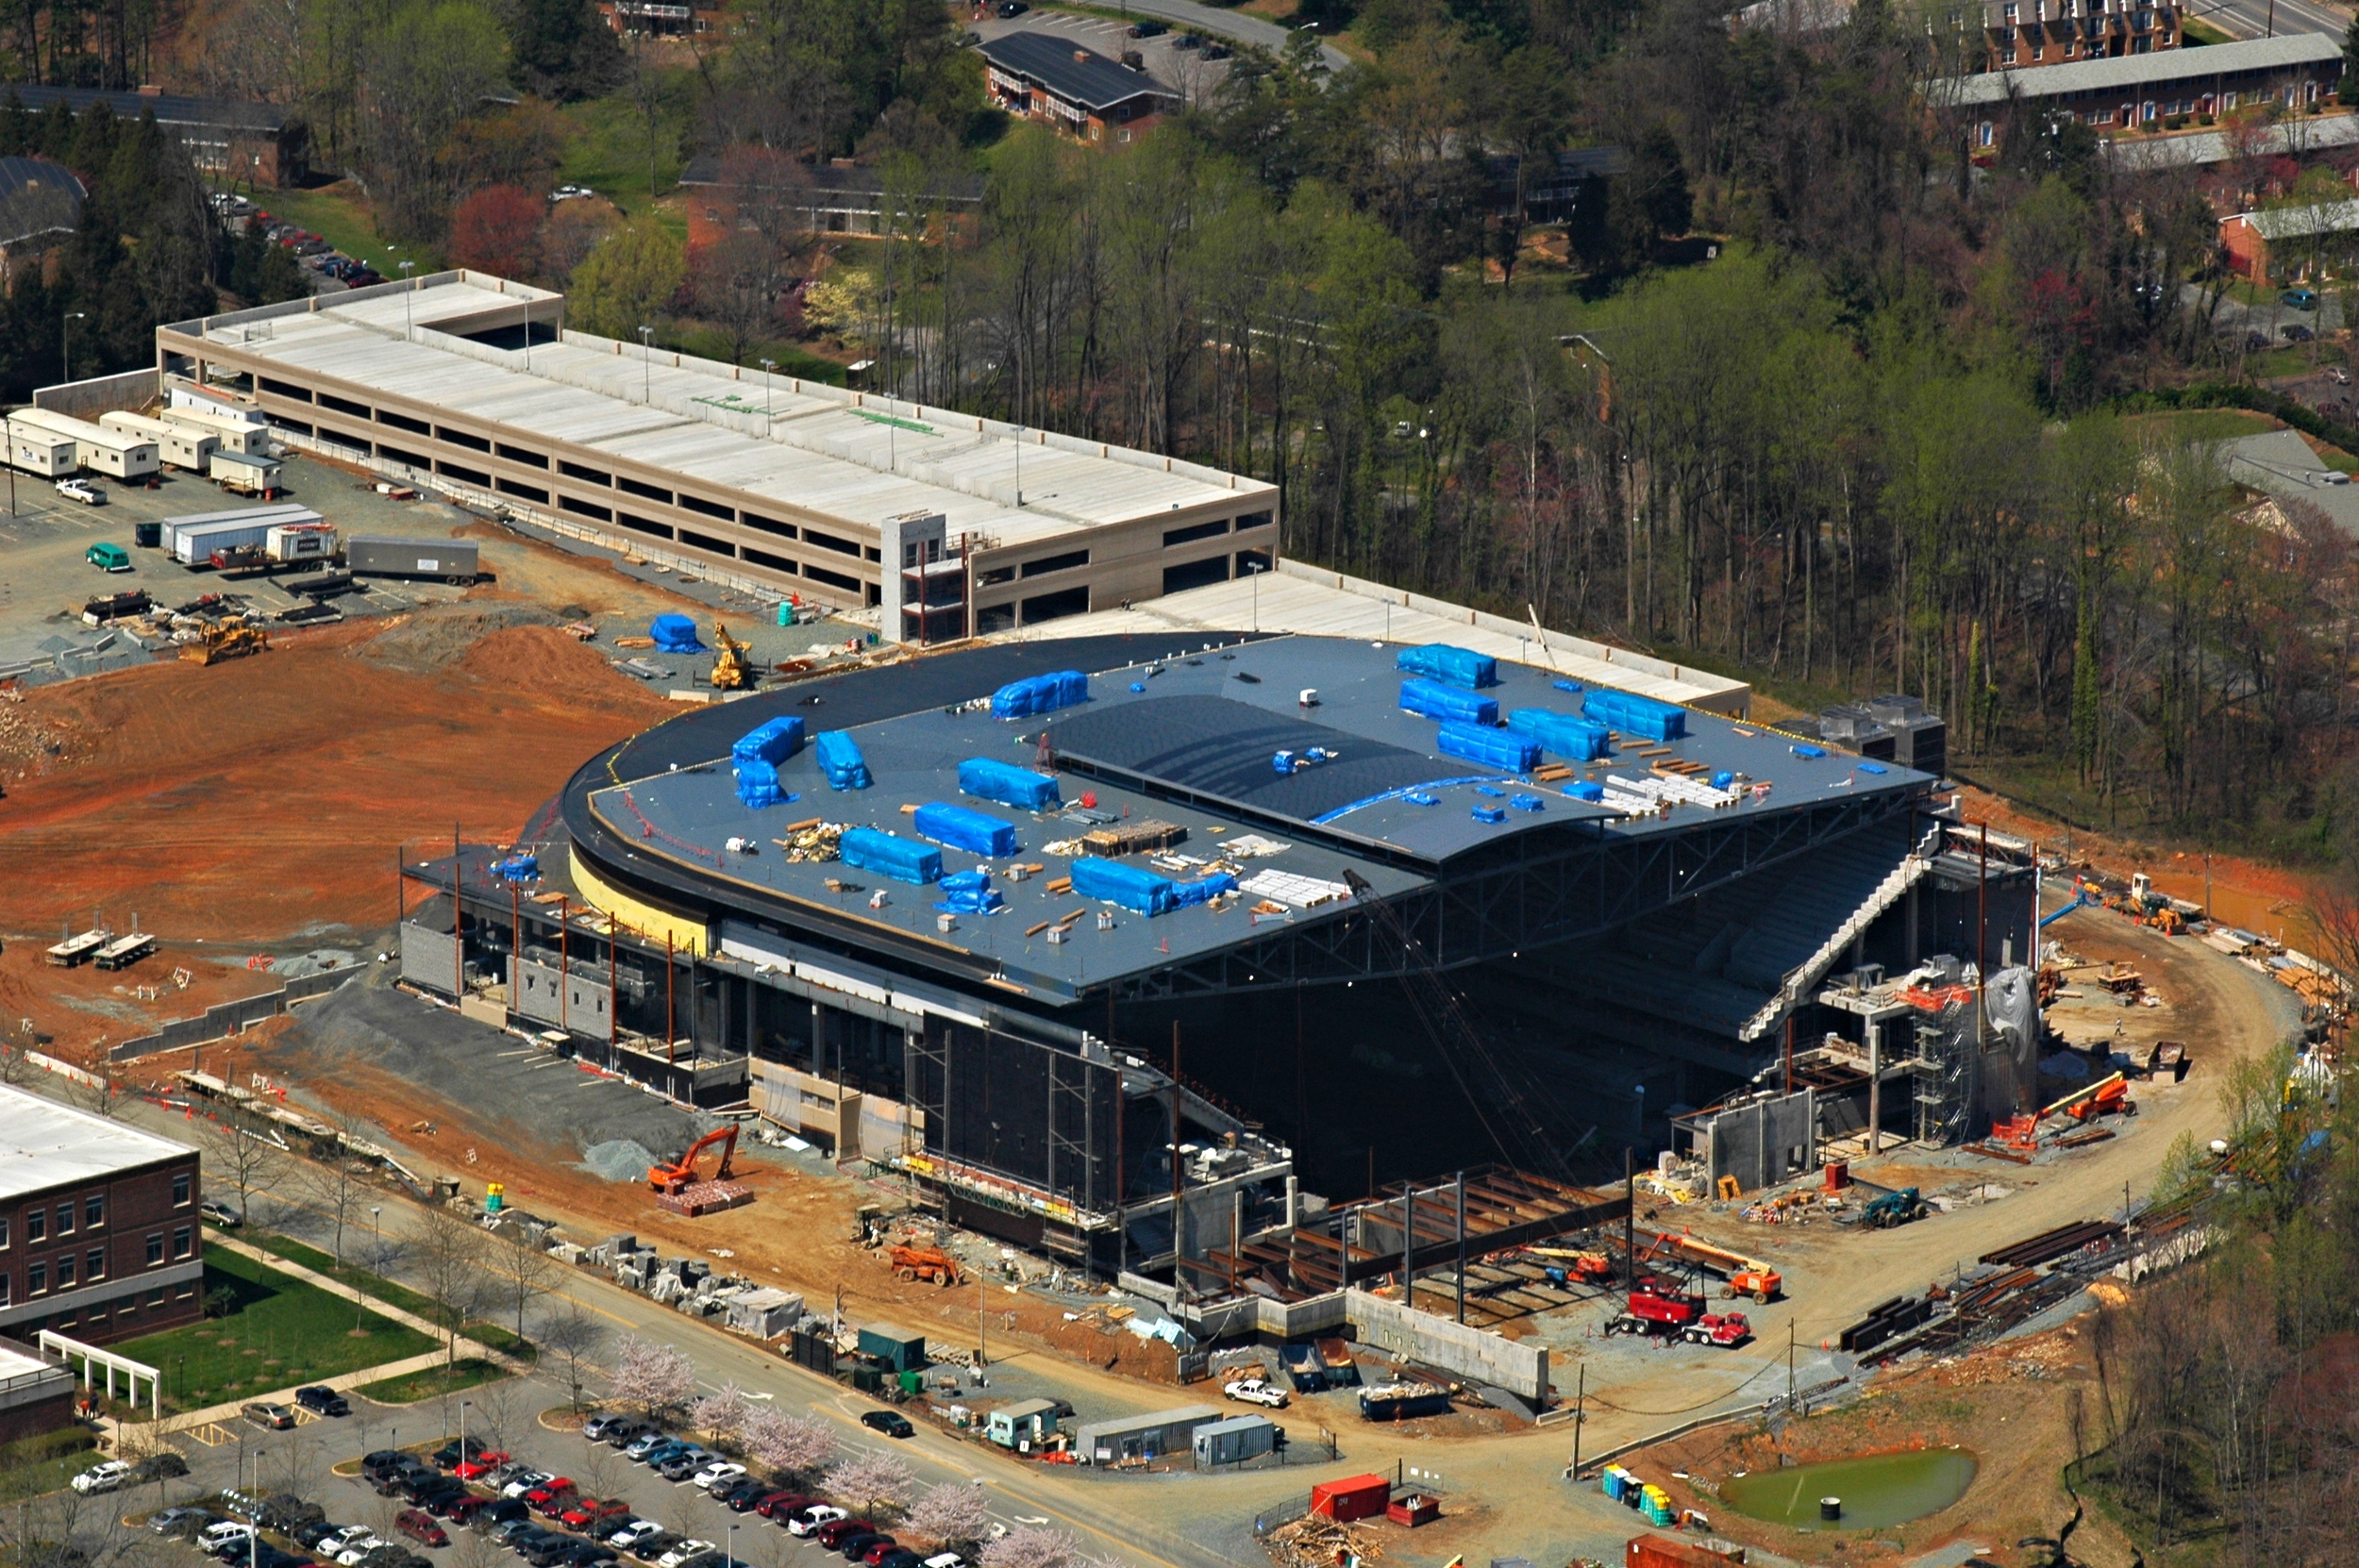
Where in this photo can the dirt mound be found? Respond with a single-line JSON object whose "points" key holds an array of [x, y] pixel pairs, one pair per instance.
{"points": [[545, 661], [443, 635]]}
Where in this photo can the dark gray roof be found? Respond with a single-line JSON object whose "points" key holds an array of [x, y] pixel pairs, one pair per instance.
{"points": [[1076, 74], [36, 197], [172, 109], [1221, 748], [2131, 73]]}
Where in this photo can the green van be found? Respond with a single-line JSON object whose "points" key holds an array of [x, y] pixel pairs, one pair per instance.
{"points": [[109, 557]]}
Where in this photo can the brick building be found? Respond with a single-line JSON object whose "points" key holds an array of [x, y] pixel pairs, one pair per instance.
{"points": [[256, 143], [2285, 243], [2018, 33], [1075, 89], [2294, 72], [99, 1228]]}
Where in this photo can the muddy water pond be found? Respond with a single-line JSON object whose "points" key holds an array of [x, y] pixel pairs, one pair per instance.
{"points": [[1875, 1489]]}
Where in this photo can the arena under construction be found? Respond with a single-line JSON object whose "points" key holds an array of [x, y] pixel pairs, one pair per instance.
{"points": [[1107, 941]]}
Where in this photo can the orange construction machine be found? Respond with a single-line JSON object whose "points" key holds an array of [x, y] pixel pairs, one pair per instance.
{"points": [[1744, 1276], [678, 1189], [931, 1265]]}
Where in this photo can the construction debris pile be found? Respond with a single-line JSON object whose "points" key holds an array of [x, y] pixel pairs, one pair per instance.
{"points": [[1315, 1540], [691, 1286]]}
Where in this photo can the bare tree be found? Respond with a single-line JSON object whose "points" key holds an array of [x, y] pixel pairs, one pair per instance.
{"points": [[247, 1161], [448, 1255], [571, 1333], [374, 1251], [338, 1184], [522, 1270]]}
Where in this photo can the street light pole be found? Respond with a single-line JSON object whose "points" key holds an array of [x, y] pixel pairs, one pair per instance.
{"points": [[646, 364], [65, 348], [769, 394], [406, 268]]}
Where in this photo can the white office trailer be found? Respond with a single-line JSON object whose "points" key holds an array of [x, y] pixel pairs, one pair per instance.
{"points": [[181, 446], [95, 447], [37, 450], [250, 438], [248, 475]]}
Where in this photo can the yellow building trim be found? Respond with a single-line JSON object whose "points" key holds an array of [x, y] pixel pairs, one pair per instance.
{"points": [[647, 919]]}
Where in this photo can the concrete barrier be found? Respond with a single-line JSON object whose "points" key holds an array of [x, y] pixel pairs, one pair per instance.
{"points": [[1474, 1354], [225, 1019], [101, 395]]}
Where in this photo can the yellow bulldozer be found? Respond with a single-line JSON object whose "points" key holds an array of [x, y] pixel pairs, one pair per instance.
{"points": [[226, 639], [732, 664]]}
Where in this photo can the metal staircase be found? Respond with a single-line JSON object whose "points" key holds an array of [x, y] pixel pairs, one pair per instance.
{"points": [[1799, 979]]}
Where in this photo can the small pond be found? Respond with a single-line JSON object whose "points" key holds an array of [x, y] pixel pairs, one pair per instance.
{"points": [[1877, 1490]]}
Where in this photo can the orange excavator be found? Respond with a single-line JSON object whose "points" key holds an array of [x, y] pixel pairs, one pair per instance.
{"points": [[672, 1179]]}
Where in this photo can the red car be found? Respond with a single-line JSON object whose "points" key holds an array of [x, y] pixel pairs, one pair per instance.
{"points": [[420, 1526], [550, 1498], [459, 1511], [480, 1466], [585, 1511], [832, 1533], [777, 1504], [876, 1553]]}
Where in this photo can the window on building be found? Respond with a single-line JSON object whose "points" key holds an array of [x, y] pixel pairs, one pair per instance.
{"points": [[65, 1219], [1194, 531], [460, 438], [94, 1264], [188, 1288], [752, 557], [770, 525], [181, 1245], [653, 493], [831, 542], [155, 1249], [1065, 563], [4, 1232], [575, 470], [65, 1270], [94, 1211], [530, 492], [181, 1190], [711, 509], [35, 1224], [6, 1280], [36, 1278], [155, 1296], [475, 476]]}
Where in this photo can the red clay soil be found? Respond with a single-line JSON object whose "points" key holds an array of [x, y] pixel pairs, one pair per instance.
{"points": [[251, 800]]}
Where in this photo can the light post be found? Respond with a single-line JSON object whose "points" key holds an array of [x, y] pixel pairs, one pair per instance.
{"points": [[728, 1547], [254, 1517], [463, 1455], [1019, 468], [1253, 570], [66, 342], [769, 394], [646, 364], [406, 268]]}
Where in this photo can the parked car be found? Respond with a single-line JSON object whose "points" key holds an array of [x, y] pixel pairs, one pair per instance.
{"points": [[2297, 333], [286, 1512], [648, 1548], [900, 1556], [654, 1448], [719, 1470], [681, 1552], [1216, 51], [571, 192], [1255, 1391], [2301, 300], [832, 1533], [2337, 375], [481, 1468], [422, 1527], [854, 1547], [377, 1460], [946, 1559], [1188, 40], [586, 1554], [740, 1495], [463, 1448], [589, 1513], [1011, 9], [310, 1535], [626, 1429], [228, 1534], [166, 1466], [630, 1535], [269, 1416], [498, 1511], [459, 1508], [877, 1549], [892, 1423], [1147, 29], [812, 1520], [680, 1466], [518, 1485], [106, 1476], [777, 1504], [83, 491], [181, 1521]]}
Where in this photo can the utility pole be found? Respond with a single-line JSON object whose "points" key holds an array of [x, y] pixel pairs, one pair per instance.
{"points": [[1581, 1405], [1630, 1217], [457, 926], [1789, 1365]]}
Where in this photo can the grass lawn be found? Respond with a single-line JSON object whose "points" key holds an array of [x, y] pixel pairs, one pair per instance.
{"points": [[279, 1332], [608, 149], [2204, 424], [792, 359], [414, 1387]]}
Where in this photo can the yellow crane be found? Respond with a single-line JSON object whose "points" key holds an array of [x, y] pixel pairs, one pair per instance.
{"points": [[733, 666]]}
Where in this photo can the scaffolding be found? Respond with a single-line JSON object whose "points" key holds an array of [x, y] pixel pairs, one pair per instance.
{"points": [[1946, 1073]]}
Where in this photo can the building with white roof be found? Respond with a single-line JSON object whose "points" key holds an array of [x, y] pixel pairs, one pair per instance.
{"points": [[470, 384]]}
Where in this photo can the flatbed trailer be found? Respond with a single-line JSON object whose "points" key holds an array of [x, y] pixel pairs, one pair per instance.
{"points": [[77, 950], [124, 952]]}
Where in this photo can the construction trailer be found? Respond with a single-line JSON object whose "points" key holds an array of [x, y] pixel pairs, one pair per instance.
{"points": [[1234, 1441], [1022, 1425], [245, 474], [178, 445], [37, 449], [247, 438], [1137, 1438], [453, 560], [196, 542], [124, 951], [276, 512], [115, 453]]}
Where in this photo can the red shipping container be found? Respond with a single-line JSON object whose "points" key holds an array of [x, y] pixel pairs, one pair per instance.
{"points": [[1656, 1551], [1353, 1497]]}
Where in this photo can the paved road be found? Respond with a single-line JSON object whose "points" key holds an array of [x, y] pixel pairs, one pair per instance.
{"points": [[2261, 18]]}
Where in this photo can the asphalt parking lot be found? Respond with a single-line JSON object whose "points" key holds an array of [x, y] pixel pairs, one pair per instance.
{"points": [[1186, 72]]}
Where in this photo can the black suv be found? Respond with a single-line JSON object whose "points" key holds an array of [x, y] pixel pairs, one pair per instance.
{"points": [[623, 1429], [450, 1454], [319, 1397]]}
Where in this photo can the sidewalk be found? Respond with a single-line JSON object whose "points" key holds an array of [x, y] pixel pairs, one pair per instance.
{"points": [[342, 1383]]}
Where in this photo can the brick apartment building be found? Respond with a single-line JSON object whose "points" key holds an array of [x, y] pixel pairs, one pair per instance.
{"points": [[2018, 33], [99, 1236], [256, 143], [2296, 73], [1077, 90]]}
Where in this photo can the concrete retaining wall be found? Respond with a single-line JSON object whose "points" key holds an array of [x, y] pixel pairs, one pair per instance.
{"points": [[533, 992], [1474, 1353], [227, 1017], [101, 395], [428, 957], [1756, 1144]]}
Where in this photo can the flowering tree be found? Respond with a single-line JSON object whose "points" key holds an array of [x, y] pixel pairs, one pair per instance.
{"points": [[788, 1444], [655, 1377], [1030, 1547], [722, 1415], [949, 1513], [872, 1484]]}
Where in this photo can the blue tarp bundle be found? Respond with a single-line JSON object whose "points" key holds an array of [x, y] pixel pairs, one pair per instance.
{"points": [[757, 784], [1431, 700], [1635, 715], [675, 634], [903, 860], [1202, 888], [839, 759], [1112, 882], [774, 742], [1587, 791], [1501, 748], [1040, 694], [1459, 666], [961, 828], [1007, 784], [970, 892], [518, 868], [1575, 739], [1489, 813]]}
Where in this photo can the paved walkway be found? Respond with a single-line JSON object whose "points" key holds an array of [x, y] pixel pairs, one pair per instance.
{"points": [[342, 1383]]}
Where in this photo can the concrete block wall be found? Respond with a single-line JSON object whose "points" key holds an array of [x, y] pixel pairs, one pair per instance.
{"points": [[534, 992], [1474, 1353], [428, 957], [101, 395]]}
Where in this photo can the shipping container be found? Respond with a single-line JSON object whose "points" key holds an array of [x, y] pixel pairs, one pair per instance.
{"points": [[1142, 1437], [277, 511], [1658, 1551], [299, 542], [179, 445], [194, 545], [897, 1348], [95, 447], [1234, 1441], [451, 560], [41, 451], [230, 433], [245, 474], [1353, 1497]]}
